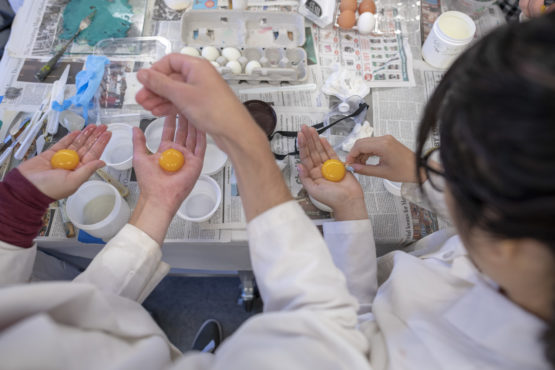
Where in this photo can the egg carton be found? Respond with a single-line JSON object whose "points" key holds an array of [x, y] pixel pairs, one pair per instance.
{"points": [[272, 39]]}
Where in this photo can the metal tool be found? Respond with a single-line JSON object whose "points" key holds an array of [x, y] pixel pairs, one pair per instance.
{"points": [[47, 68], [124, 191], [13, 129], [69, 228], [30, 133], [15, 139]]}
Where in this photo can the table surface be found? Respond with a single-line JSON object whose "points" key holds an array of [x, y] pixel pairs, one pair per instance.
{"points": [[208, 256]]}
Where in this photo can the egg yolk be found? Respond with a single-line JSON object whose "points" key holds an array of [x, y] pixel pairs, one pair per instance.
{"points": [[333, 170], [66, 159], [171, 160]]}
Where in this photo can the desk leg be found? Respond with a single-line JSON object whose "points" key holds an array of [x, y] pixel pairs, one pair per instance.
{"points": [[247, 289]]}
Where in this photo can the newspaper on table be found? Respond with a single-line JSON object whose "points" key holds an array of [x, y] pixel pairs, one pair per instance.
{"points": [[382, 59]]}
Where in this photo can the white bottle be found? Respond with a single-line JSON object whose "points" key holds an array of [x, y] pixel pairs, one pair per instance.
{"points": [[450, 35]]}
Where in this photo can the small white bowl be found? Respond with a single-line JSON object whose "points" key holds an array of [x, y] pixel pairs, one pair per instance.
{"points": [[202, 203], [393, 187], [214, 158], [153, 134], [321, 206], [119, 151]]}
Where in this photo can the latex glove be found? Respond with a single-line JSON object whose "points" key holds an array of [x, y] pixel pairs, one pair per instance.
{"points": [[59, 183], [162, 192], [345, 197]]}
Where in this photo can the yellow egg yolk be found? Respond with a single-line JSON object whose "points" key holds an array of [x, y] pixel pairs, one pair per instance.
{"points": [[333, 170], [66, 159], [171, 160]]}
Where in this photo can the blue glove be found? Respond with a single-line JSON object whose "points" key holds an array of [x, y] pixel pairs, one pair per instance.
{"points": [[87, 82]]}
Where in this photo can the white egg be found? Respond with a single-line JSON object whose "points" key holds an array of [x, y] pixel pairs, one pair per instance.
{"points": [[210, 53], [187, 50], [216, 65], [235, 67], [231, 53], [251, 66], [365, 23]]}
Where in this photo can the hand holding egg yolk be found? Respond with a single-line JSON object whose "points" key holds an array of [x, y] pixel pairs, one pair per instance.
{"points": [[333, 170], [65, 159], [171, 160]]}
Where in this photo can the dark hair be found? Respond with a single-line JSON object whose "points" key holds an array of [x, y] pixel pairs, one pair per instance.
{"points": [[495, 111]]}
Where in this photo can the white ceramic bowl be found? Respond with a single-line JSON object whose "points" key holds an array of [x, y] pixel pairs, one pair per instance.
{"points": [[119, 151], [153, 134], [202, 203], [214, 158]]}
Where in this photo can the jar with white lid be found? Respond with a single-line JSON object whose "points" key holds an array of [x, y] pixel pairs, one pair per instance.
{"points": [[450, 35]]}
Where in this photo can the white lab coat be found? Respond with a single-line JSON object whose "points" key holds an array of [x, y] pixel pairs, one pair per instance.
{"points": [[430, 312]]}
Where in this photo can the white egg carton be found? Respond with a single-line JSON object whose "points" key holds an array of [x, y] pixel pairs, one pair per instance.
{"points": [[272, 39]]}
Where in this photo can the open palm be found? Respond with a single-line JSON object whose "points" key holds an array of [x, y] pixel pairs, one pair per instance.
{"points": [[59, 183], [314, 151]]}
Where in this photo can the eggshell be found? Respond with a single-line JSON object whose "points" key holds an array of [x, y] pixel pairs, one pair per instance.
{"points": [[231, 53], [365, 23], [216, 65], [235, 67], [346, 19], [367, 6], [251, 66], [188, 50], [348, 5], [210, 53]]}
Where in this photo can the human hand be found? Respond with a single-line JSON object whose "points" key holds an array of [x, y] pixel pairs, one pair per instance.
{"points": [[193, 88], [59, 183], [534, 8], [345, 197], [162, 192], [397, 162]]}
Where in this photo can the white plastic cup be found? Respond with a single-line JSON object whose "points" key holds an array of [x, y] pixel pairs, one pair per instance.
{"points": [[118, 153], [450, 35], [153, 134], [214, 158], [88, 209], [202, 203]]}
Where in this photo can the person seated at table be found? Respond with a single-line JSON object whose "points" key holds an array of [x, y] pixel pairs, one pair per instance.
{"points": [[310, 318], [482, 294]]}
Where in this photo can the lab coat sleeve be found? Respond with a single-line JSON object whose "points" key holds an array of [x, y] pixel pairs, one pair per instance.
{"points": [[129, 265], [293, 267], [431, 200], [16, 263], [352, 247]]}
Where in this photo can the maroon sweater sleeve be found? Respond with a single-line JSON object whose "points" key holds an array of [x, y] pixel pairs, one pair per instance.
{"points": [[22, 206]]}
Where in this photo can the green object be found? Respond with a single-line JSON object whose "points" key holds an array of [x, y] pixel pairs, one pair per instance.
{"points": [[112, 19]]}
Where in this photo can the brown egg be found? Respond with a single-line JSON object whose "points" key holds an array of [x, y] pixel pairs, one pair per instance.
{"points": [[348, 5], [346, 19], [367, 6]]}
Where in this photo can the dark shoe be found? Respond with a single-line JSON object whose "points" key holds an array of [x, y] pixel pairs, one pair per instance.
{"points": [[208, 337]]}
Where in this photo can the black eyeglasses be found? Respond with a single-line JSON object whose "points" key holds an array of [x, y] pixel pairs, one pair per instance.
{"points": [[435, 175]]}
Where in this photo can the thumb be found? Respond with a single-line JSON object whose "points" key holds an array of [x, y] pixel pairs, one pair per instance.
{"points": [[83, 173], [163, 85], [139, 142]]}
